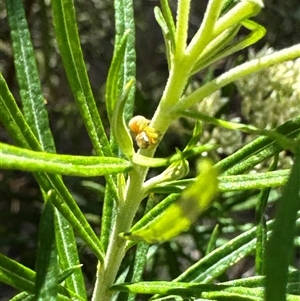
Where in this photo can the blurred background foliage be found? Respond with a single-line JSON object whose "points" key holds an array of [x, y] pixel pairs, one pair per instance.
{"points": [[20, 199]]}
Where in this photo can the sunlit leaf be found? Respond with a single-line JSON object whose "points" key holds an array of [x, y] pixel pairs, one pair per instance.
{"points": [[27, 160], [178, 217]]}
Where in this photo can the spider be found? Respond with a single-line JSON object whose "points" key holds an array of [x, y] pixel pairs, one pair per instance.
{"points": [[146, 136]]}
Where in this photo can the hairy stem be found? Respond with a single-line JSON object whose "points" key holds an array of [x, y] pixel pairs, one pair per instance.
{"points": [[236, 73], [116, 249]]}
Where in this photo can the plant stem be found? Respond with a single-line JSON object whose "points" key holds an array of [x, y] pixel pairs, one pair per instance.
{"points": [[170, 103], [236, 73], [182, 27], [116, 249], [135, 192], [204, 34]]}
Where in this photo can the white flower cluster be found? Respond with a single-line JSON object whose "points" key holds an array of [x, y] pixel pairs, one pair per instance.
{"points": [[228, 140], [272, 96], [269, 98]]}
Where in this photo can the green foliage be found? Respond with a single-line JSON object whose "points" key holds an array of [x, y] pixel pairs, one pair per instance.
{"points": [[134, 176]]}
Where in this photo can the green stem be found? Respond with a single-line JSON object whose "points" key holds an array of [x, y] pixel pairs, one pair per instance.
{"points": [[135, 193], [182, 27], [116, 249], [183, 61], [204, 34], [172, 93], [236, 73]]}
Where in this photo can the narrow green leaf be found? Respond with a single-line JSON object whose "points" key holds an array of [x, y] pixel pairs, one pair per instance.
{"points": [[13, 119], [217, 262], [168, 37], [260, 220], [124, 22], [18, 128], [182, 213], [68, 272], [23, 279], [261, 234], [213, 239], [162, 23], [66, 32], [240, 289], [206, 291], [222, 46], [139, 265], [108, 216], [211, 52], [285, 142], [118, 126], [236, 294], [208, 268], [27, 75], [140, 259], [27, 160], [113, 92], [262, 147], [33, 101], [125, 71], [231, 183], [23, 297], [155, 212], [215, 269], [168, 17], [251, 181], [280, 247], [259, 281], [66, 204], [120, 94], [16, 274], [46, 280], [242, 11], [29, 297], [168, 288], [224, 296], [204, 34], [195, 136], [68, 256], [165, 19]]}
